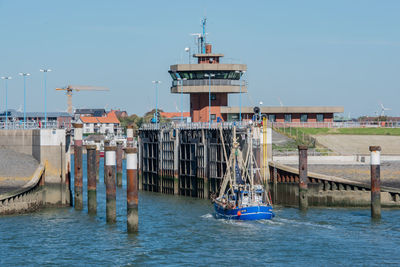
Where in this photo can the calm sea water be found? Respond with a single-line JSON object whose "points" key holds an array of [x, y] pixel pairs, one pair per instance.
{"points": [[183, 231]]}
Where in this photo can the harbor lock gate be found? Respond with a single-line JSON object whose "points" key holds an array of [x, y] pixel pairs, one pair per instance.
{"points": [[185, 161]]}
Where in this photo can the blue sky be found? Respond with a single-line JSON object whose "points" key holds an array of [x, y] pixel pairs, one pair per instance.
{"points": [[343, 53]]}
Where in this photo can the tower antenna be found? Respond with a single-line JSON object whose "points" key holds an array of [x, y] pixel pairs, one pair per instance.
{"points": [[203, 37]]}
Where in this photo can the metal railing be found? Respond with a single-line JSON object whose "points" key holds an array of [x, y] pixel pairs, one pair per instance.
{"points": [[195, 125], [351, 124], [206, 82], [32, 125], [310, 152]]}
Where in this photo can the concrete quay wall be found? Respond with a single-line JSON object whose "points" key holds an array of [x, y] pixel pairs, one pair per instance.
{"points": [[27, 198], [50, 147], [324, 190]]}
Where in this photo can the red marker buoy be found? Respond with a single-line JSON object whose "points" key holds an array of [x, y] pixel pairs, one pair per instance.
{"points": [[239, 213]]}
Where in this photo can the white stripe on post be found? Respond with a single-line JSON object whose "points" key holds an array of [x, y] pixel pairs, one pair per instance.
{"points": [[375, 158], [78, 134], [110, 158], [131, 161], [129, 133]]}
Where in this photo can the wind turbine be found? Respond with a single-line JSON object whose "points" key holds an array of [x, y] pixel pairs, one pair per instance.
{"points": [[280, 101], [383, 109], [68, 91]]}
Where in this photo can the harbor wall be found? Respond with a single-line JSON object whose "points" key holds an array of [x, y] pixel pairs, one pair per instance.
{"points": [[28, 198], [324, 191], [50, 147]]}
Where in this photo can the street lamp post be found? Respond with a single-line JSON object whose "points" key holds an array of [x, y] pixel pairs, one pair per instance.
{"points": [[181, 82], [209, 97], [45, 95], [6, 85], [156, 84], [24, 75], [187, 49], [240, 94]]}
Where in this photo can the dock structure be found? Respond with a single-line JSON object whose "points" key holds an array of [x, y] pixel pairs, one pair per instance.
{"points": [[187, 159]]}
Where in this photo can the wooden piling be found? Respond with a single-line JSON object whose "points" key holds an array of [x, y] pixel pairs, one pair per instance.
{"points": [[303, 178], [375, 182], [111, 213], [91, 179], [119, 163], [106, 143], [132, 190], [97, 162], [78, 191], [129, 136]]}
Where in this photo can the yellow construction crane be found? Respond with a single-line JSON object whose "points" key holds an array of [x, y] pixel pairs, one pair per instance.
{"points": [[68, 91]]}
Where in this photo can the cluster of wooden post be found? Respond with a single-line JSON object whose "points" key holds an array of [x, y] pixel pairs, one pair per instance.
{"points": [[112, 178], [375, 180]]}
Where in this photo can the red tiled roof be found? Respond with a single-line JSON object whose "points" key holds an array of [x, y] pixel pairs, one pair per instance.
{"points": [[174, 114], [111, 117]]}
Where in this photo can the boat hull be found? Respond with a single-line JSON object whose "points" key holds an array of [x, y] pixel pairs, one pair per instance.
{"points": [[247, 213]]}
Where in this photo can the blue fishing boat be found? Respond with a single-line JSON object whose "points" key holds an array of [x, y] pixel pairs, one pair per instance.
{"points": [[240, 198]]}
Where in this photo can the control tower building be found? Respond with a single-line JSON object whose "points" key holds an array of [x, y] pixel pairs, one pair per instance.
{"points": [[208, 82]]}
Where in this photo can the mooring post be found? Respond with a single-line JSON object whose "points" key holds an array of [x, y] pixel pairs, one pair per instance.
{"points": [[129, 136], [111, 213], [106, 143], [375, 181], [140, 155], [91, 179], [132, 189], [119, 162], [176, 162], [303, 178], [275, 185], [78, 191], [97, 161]]}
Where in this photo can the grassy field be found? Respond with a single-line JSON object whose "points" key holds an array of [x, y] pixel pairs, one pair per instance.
{"points": [[352, 131]]}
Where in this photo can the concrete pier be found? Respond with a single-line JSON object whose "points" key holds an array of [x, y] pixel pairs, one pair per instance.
{"points": [[303, 178], [119, 163], [78, 191], [132, 190], [110, 156], [375, 182], [91, 179]]}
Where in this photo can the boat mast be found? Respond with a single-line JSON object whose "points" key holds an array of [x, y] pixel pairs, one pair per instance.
{"points": [[251, 158], [234, 150]]}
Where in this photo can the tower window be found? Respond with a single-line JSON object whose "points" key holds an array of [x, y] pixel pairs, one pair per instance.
{"points": [[303, 118], [288, 117], [320, 117]]}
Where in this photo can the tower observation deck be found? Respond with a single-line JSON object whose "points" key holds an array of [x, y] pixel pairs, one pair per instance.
{"points": [[208, 82]]}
